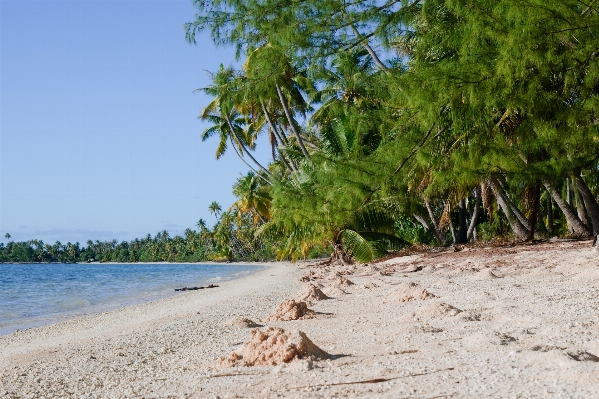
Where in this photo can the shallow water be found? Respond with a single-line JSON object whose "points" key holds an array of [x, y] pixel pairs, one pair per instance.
{"points": [[37, 294]]}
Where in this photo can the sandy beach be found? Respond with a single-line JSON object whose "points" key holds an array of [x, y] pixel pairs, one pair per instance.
{"points": [[495, 321]]}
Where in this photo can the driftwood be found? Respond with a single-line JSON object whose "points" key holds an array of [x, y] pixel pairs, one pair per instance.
{"points": [[195, 288]]}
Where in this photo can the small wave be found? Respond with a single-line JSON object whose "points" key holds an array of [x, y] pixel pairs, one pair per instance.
{"points": [[6, 315], [73, 303]]}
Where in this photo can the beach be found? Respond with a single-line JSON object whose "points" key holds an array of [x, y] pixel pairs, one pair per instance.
{"points": [[484, 321]]}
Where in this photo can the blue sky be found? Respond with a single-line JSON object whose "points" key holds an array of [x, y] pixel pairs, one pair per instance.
{"points": [[99, 136]]}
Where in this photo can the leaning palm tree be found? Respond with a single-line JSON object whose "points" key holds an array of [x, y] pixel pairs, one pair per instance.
{"points": [[277, 90], [227, 122]]}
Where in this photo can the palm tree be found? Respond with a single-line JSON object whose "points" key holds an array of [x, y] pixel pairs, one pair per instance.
{"points": [[277, 86], [201, 224], [7, 236], [215, 209], [222, 112], [252, 197]]}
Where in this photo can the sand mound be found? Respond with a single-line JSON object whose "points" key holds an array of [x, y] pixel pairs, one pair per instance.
{"points": [[240, 322], [486, 274], [437, 310], [291, 310], [409, 292], [334, 291], [271, 347], [311, 275], [311, 293], [341, 282]]}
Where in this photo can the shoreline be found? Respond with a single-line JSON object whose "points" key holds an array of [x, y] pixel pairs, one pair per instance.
{"points": [[481, 322], [120, 318], [90, 304]]}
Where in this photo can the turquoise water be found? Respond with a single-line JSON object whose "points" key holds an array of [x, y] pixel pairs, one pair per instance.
{"points": [[36, 294]]}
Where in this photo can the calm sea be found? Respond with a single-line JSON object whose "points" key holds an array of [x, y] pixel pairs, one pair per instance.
{"points": [[36, 294]]}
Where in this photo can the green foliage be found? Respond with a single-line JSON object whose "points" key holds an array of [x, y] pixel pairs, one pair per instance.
{"points": [[408, 110], [367, 246], [412, 232]]}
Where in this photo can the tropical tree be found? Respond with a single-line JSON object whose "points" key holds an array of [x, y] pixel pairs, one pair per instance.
{"points": [[253, 197], [215, 209], [222, 112]]}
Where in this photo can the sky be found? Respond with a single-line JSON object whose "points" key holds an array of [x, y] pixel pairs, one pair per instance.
{"points": [[99, 136]]}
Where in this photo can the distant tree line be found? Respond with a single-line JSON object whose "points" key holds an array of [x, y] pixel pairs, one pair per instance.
{"points": [[232, 238]]}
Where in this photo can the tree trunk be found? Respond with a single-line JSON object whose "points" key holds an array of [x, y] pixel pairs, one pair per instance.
{"points": [[575, 224], [243, 149], [516, 224], [463, 223], [428, 226], [536, 205], [244, 161], [292, 122], [439, 235], [581, 210], [549, 213], [452, 231], [289, 165], [589, 201], [366, 45], [474, 216]]}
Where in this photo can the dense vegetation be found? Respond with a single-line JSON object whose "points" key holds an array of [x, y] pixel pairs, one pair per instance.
{"points": [[472, 119], [230, 238], [394, 122]]}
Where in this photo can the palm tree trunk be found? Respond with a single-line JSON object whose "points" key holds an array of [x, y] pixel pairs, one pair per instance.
{"points": [[290, 166], [245, 162], [535, 212], [504, 202], [549, 213], [463, 223], [243, 149], [575, 224], [292, 122], [589, 201], [428, 226], [477, 201], [366, 45], [439, 235], [258, 213], [271, 123]]}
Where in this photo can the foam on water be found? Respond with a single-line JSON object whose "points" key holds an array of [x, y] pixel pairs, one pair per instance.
{"points": [[36, 294]]}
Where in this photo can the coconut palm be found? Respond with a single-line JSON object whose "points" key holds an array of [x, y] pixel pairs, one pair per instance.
{"points": [[252, 197], [222, 112], [214, 209]]}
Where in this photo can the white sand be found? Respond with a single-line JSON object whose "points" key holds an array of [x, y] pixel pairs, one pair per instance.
{"points": [[530, 331]]}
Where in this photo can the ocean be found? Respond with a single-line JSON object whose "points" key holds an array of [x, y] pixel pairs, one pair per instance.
{"points": [[32, 295]]}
